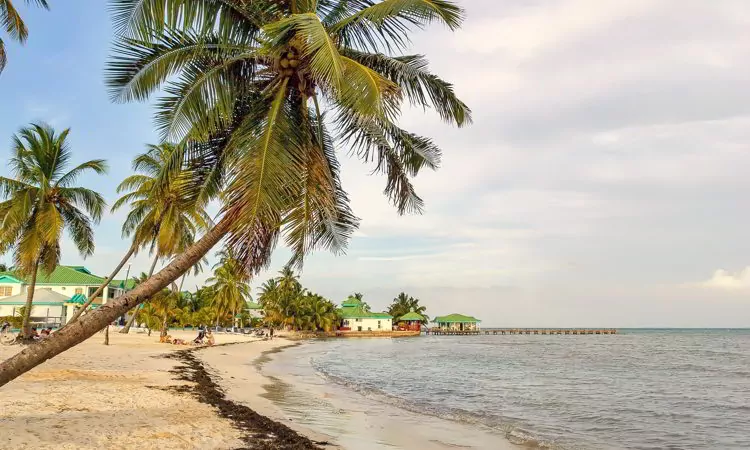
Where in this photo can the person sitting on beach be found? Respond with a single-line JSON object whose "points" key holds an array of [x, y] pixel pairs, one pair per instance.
{"points": [[210, 337], [199, 340], [44, 334], [179, 342], [34, 333]]}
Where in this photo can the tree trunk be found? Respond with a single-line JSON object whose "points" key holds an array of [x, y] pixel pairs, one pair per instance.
{"points": [[97, 319], [93, 296], [26, 327], [126, 329], [106, 335]]}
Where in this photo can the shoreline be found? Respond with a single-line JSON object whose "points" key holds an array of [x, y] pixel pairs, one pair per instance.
{"points": [[138, 393]]}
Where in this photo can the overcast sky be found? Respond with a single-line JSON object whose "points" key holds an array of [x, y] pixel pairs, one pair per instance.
{"points": [[604, 181]]}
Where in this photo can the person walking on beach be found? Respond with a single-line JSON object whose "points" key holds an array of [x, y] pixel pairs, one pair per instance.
{"points": [[270, 333]]}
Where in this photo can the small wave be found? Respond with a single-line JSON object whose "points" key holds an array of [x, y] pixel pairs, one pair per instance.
{"points": [[493, 423]]}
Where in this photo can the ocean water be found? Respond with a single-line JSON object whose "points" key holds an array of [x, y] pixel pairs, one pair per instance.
{"points": [[644, 389]]}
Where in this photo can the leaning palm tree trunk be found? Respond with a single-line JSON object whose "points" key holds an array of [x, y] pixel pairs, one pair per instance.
{"points": [[130, 322], [26, 327], [97, 319], [101, 288]]}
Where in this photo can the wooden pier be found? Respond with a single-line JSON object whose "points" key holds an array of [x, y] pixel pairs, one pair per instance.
{"points": [[529, 331]]}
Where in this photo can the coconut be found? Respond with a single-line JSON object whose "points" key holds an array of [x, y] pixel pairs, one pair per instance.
{"points": [[290, 55], [293, 63], [289, 72], [284, 63]]}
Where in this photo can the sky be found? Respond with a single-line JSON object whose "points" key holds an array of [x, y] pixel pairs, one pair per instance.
{"points": [[604, 181]]}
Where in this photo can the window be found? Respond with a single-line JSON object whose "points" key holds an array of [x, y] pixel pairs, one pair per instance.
{"points": [[63, 288], [359, 328], [358, 320], [6, 290], [79, 290], [379, 325]]}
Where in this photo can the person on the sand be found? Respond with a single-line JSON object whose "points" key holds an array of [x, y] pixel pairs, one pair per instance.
{"points": [[210, 338], [199, 340]]}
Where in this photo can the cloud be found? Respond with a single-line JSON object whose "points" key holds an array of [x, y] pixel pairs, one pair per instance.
{"points": [[731, 281]]}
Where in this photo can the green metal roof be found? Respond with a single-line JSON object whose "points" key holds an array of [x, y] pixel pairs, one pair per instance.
{"points": [[456, 318], [351, 302], [122, 284], [62, 275], [79, 299], [253, 305], [359, 313], [411, 316]]}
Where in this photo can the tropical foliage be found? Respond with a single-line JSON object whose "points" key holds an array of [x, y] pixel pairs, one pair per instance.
{"points": [[230, 286], [287, 304], [261, 96], [404, 304], [14, 25], [252, 87], [42, 201]]}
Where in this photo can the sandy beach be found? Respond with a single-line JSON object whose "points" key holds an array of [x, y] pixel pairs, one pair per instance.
{"points": [[137, 393]]}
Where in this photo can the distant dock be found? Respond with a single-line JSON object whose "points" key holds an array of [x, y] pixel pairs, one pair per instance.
{"points": [[529, 331]]}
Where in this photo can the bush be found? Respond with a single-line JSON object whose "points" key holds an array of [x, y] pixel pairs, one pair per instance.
{"points": [[14, 321]]}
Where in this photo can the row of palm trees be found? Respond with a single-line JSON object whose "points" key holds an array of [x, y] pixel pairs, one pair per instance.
{"points": [[259, 98], [289, 305]]}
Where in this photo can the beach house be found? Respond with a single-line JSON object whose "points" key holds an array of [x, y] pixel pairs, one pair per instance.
{"points": [[410, 321], [356, 317], [73, 284], [457, 322]]}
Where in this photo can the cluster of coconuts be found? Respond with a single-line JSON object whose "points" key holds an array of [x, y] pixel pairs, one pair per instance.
{"points": [[289, 62]]}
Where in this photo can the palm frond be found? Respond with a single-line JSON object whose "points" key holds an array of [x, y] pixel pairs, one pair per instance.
{"points": [[91, 201], [99, 166], [421, 87], [12, 22]]}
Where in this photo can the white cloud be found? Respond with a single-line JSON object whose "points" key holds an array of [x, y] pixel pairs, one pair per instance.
{"points": [[726, 280]]}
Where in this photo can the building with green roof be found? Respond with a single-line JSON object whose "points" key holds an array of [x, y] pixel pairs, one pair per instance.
{"points": [[411, 321], [355, 316], [65, 280], [457, 322]]}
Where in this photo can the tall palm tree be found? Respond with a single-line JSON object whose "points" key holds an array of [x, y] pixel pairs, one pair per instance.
{"points": [[13, 23], [161, 217], [404, 303], [250, 87], [42, 201], [231, 285]]}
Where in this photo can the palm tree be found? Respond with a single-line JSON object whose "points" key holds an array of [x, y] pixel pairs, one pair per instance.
{"points": [[359, 296], [42, 201], [231, 285], [403, 304], [161, 217], [14, 25], [243, 84]]}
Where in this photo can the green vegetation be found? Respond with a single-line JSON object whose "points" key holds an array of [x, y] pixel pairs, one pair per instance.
{"points": [[287, 304], [404, 304], [42, 201], [249, 91]]}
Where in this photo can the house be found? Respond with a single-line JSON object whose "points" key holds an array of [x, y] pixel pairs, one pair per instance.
{"points": [[356, 317], [254, 309], [65, 280], [457, 322], [48, 308], [410, 321]]}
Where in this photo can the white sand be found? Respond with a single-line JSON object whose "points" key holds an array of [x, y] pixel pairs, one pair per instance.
{"points": [[95, 396]]}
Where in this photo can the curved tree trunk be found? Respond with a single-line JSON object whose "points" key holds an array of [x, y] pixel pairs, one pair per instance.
{"points": [[88, 325], [93, 296], [26, 327], [130, 322]]}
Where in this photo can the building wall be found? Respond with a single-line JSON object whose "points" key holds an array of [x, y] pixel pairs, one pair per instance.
{"points": [[15, 289], [369, 324], [37, 311], [456, 326]]}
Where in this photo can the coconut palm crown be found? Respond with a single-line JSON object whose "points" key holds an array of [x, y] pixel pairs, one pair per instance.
{"points": [[264, 92]]}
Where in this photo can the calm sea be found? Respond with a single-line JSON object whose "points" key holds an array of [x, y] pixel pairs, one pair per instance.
{"points": [[647, 389]]}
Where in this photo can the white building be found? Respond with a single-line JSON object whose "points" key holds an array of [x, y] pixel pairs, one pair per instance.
{"points": [[355, 317], [72, 284]]}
